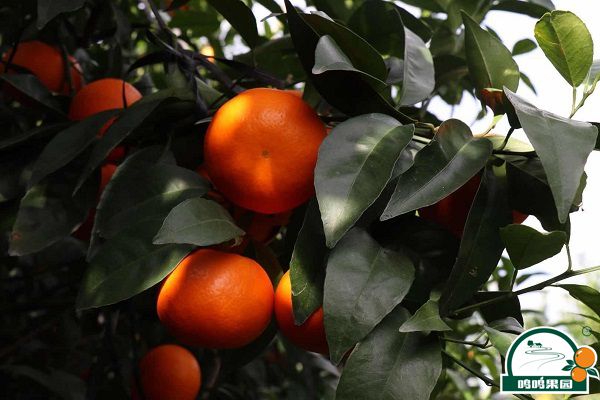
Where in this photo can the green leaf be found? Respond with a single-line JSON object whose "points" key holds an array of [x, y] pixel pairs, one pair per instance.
{"points": [[447, 163], [355, 163], [532, 8], [129, 119], [526, 246], [426, 318], [198, 221], [567, 43], [384, 365], [563, 146], [48, 212], [307, 266], [240, 17], [585, 294], [39, 133], [481, 246], [47, 10], [418, 80], [142, 189], [62, 384], [127, 265], [500, 340], [68, 144], [364, 283], [593, 75], [490, 63], [348, 91], [523, 46], [30, 86]]}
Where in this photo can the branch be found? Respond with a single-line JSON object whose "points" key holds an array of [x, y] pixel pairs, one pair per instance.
{"points": [[485, 379]]}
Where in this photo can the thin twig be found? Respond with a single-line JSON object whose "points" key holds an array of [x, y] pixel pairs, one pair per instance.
{"points": [[488, 381]]}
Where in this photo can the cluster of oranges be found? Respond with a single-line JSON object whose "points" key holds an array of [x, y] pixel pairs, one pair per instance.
{"points": [[584, 358]]}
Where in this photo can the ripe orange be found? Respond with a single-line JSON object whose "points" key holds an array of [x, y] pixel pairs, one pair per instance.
{"points": [[578, 374], [311, 334], [585, 357], [101, 95], [261, 149], [452, 211], [170, 372], [47, 64], [216, 300]]}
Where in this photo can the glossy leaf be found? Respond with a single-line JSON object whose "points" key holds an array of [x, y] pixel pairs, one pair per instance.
{"points": [[240, 17], [585, 294], [426, 318], [198, 221], [364, 283], [355, 163], [126, 123], [490, 63], [447, 163], [418, 80], [567, 43], [348, 91], [532, 8], [563, 146], [68, 144], [384, 364], [526, 246], [47, 10], [481, 245], [32, 135], [127, 265], [307, 266]]}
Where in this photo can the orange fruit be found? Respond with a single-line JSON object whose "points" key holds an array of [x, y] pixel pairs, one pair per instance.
{"points": [[585, 357], [216, 300], [578, 374], [261, 149], [101, 95], [47, 64], [170, 372], [452, 211], [308, 336]]}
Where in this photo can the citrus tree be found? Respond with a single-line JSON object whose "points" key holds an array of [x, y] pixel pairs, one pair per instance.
{"points": [[199, 204]]}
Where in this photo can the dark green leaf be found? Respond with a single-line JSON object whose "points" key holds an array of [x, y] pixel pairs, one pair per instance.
{"points": [[364, 283], [68, 144], [355, 163], [47, 10], [240, 17], [48, 212], [30, 86], [426, 318], [532, 8], [447, 163], [126, 123], [307, 266], [585, 294], [384, 365], [481, 245], [127, 265], [567, 43], [198, 221], [60, 383], [563, 146], [490, 63], [523, 46], [38, 133], [508, 324], [526, 246]]}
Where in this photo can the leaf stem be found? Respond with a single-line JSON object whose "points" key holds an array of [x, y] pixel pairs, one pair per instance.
{"points": [[508, 135], [488, 381], [586, 94], [569, 273], [574, 102]]}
